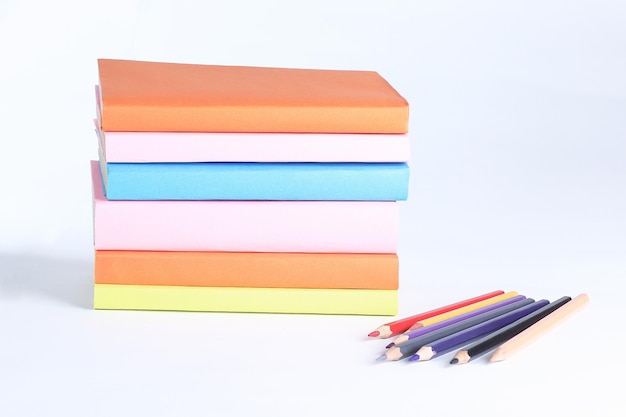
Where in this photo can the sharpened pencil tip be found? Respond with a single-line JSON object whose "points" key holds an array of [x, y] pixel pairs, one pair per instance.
{"points": [[454, 361], [415, 357], [382, 357], [390, 345], [375, 333]]}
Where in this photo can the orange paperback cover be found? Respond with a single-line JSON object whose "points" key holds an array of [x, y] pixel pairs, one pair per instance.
{"points": [[169, 97], [248, 269]]}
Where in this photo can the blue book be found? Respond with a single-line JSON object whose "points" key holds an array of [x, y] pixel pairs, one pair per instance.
{"points": [[256, 181]]}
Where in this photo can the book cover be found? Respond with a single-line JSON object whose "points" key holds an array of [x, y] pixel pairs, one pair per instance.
{"points": [[256, 181], [243, 226], [246, 300], [248, 269], [253, 147], [178, 97]]}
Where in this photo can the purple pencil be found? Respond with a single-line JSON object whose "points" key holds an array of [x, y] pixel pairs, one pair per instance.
{"points": [[456, 340], [408, 348], [436, 326]]}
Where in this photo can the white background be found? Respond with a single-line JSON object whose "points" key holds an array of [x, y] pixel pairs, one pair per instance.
{"points": [[518, 174]]}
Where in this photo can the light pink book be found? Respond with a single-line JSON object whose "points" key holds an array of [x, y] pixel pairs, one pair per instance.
{"points": [[253, 147], [244, 226]]}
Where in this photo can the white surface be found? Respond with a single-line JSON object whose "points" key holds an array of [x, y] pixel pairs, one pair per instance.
{"points": [[518, 173]]}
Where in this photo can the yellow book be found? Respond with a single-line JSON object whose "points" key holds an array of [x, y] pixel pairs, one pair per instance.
{"points": [[246, 300]]}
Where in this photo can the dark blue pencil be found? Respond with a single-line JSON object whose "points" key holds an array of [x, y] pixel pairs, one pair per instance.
{"points": [[456, 319], [459, 339], [409, 347]]}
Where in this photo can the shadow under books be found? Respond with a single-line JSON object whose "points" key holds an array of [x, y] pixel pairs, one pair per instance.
{"points": [[68, 281]]}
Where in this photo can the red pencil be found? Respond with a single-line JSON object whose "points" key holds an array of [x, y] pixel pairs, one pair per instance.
{"points": [[400, 326]]}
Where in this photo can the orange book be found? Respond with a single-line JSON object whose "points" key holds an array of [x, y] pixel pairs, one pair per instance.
{"points": [[166, 97], [248, 269]]}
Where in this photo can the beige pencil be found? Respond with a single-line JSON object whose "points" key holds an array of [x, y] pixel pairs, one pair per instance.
{"points": [[512, 345]]}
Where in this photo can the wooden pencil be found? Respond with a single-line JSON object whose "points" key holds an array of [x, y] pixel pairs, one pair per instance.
{"points": [[399, 326], [423, 330], [498, 337], [511, 346], [409, 347], [458, 339], [461, 310]]}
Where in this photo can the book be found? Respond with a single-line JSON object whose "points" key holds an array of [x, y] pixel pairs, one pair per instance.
{"points": [[255, 181], [252, 147], [243, 226], [248, 269], [179, 97], [246, 300]]}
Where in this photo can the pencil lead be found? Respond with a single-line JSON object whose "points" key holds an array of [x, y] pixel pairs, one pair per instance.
{"points": [[390, 345], [382, 357], [415, 357], [375, 333], [461, 357]]}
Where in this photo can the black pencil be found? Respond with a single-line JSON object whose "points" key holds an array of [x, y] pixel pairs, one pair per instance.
{"points": [[500, 336], [411, 346]]}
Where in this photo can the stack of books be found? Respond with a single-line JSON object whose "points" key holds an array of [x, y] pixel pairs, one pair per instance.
{"points": [[247, 189]]}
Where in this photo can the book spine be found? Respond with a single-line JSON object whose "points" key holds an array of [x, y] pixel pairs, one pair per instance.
{"points": [[247, 269], [249, 300], [327, 227], [253, 147], [258, 181], [255, 119]]}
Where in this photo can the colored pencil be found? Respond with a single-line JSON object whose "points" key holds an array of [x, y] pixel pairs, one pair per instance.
{"points": [[498, 337], [455, 340], [409, 347], [423, 330], [504, 351], [458, 311], [396, 327]]}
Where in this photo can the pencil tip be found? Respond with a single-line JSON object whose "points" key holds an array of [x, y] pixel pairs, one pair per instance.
{"points": [[382, 357], [390, 345], [375, 333], [415, 357], [454, 361]]}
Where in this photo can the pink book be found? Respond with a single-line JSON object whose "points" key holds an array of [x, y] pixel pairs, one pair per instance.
{"points": [[244, 226], [253, 147]]}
